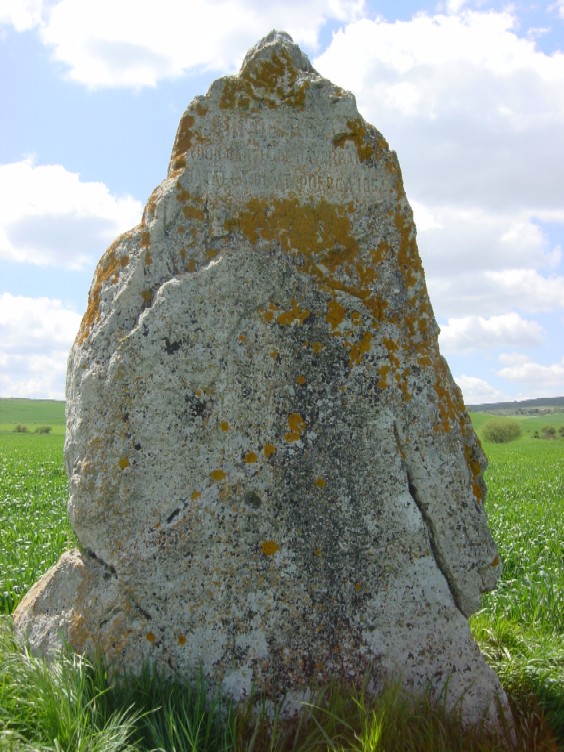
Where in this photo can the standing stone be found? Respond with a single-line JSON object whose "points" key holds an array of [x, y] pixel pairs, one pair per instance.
{"points": [[272, 474]]}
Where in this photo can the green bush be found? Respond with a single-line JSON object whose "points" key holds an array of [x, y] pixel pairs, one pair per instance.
{"points": [[501, 430], [43, 429], [20, 428], [549, 432]]}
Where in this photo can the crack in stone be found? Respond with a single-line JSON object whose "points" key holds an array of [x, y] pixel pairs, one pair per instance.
{"points": [[414, 493], [109, 569]]}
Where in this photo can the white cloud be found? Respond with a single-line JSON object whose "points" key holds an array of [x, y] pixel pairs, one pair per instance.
{"points": [[477, 391], [455, 239], [475, 112], [540, 380], [135, 44], [528, 290], [48, 216], [35, 325], [21, 14], [35, 337], [558, 7], [473, 333]]}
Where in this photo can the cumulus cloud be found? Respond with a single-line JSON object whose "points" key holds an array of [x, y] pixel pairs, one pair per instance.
{"points": [[48, 216], [474, 110], [476, 114], [139, 46], [35, 338], [21, 14], [477, 391], [472, 333], [540, 380]]}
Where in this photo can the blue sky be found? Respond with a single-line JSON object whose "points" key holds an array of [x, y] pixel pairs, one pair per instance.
{"points": [[470, 93]]}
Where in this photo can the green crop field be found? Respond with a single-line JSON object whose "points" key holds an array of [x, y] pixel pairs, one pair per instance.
{"points": [[520, 628]]}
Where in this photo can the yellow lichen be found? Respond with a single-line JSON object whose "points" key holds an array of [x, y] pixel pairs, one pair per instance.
{"points": [[123, 462], [335, 313], [320, 482], [250, 458], [265, 83], [218, 475], [181, 639], [270, 547], [358, 135], [185, 137], [150, 636], [269, 450], [295, 315], [359, 349], [301, 379]]}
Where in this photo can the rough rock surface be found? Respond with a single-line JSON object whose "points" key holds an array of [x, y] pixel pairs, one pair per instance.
{"points": [[272, 473]]}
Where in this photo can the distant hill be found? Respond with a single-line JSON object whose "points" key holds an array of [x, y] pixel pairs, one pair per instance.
{"points": [[539, 406], [31, 411]]}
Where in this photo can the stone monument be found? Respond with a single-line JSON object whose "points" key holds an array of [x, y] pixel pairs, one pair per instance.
{"points": [[272, 474]]}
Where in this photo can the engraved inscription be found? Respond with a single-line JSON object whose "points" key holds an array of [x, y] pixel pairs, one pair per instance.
{"points": [[244, 156]]}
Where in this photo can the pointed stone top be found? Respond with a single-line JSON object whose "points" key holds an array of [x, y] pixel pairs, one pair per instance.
{"points": [[276, 42]]}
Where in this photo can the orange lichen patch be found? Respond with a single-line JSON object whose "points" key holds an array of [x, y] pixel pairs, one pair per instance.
{"points": [[218, 475], [301, 379], [359, 349], [475, 470], [148, 258], [191, 265], [317, 347], [195, 495], [150, 207], [145, 239], [295, 315], [450, 403], [359, 136], [358, 586], [269, 450], [496, 561], [181, 639], [269, 313], [242, 338], [193, 212], [274, 354], [107, 273], [383, 372], [321, 231], [150, 636], [186, 136], [267, 82], [250, 458], [317, 552], [297, 426], [201, 109], [408, 255], [123, 462], [356, 318], [147, 296], [270, 547], [224, 425], [335, 313], [320, 482]]}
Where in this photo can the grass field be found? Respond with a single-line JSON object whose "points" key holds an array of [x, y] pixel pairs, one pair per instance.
{"points": [[520, 628]]}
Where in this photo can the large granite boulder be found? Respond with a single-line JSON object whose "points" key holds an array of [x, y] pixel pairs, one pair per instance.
{"points": [[272, 474]]}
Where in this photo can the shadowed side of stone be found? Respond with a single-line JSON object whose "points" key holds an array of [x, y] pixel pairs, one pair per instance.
{"points": [[272, 474]]}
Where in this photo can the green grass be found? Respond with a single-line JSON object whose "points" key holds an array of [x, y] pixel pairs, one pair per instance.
{"points": [[521, 627], [32, 413], [71, 705], [34, 528]]}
